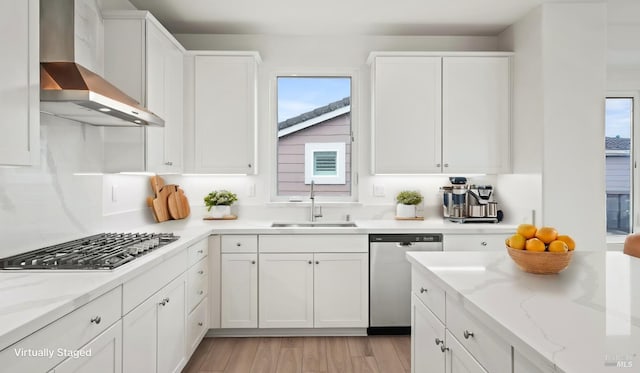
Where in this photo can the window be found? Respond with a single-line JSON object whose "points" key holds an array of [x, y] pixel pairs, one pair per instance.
{"points": [[314, 136], [618, 164]]}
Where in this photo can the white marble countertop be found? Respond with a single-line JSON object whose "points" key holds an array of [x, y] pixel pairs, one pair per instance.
{"points": [[33, 299], [584, 319]]}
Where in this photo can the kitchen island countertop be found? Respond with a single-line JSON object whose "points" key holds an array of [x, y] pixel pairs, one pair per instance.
{"points": [[584, 319]]}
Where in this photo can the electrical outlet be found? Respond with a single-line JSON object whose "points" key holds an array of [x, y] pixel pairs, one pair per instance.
{"points": [[378, 191], [114, 193], [251, 190]]}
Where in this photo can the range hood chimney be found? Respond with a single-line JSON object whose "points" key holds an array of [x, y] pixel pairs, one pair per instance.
{"points": [[69, 90]]}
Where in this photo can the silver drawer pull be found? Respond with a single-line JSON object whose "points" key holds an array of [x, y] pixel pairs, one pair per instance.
{"points": [[443, 348], [96, 320], [310, 262], [168, 163], [200, 323], [439, 341], [317, 262], [200, 251], [423, 290], [253, 262], [201, 292], [483, 243], [164, 302], [238, 244], [201, 272], [467, 334]]}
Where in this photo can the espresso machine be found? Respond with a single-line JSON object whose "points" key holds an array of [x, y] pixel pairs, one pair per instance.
{"points": [[468, 203]]}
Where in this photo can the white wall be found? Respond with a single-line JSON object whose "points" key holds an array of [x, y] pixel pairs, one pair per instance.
{"points": [[623, 46], [560, 75], [323, 54]]}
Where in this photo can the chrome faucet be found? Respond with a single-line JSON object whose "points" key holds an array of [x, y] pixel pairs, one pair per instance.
{"points": [[312, 196]]}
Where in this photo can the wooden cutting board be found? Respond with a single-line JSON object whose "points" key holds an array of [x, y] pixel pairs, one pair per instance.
{"points": [[178, 204], [160, 206]]}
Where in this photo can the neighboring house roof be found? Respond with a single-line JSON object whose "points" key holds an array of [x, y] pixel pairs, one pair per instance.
{"points": [[315, 116], [617, 143]]}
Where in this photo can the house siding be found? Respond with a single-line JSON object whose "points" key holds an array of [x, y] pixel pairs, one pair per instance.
{"points": [[291, 157], [618, 174]]}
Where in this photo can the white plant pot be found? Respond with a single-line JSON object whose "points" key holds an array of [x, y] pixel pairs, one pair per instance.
{"points": [[220, 211], [405, 211]]}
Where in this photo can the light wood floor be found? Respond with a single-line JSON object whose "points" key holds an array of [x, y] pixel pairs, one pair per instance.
{"points": [[374, 354]]}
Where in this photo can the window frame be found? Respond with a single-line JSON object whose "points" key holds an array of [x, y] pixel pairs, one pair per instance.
{"points": [[635, 150], [273, 132]]}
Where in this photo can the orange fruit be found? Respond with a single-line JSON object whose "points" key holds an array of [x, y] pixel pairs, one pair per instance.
{"points": [[558, 246], [547, 234], [517, 242], [571, 244], [526, 230], [534, 244]]}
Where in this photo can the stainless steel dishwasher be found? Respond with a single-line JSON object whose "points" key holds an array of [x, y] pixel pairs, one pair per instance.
{"points": [[390, 279]]}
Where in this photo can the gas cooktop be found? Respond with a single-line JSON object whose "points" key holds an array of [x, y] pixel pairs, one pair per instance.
{"points": [[102, 251]]}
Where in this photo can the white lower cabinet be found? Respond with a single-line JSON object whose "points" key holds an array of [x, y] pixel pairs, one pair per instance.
{"points": [[239, 296], [105, 354], [154, 337], [286, 290], [197, 325], [459, 360], [426, 333], [321, 290]]}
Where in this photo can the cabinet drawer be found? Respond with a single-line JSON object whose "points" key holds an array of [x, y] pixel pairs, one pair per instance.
{"points": [[69, 333], [306, 243], [198, 251], [488, 348], [197, 281], [140, 288], [431, 295], [197, 325], [239, 244], [474, 242]]}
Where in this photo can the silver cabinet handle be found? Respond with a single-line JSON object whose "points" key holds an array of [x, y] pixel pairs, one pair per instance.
{"points": [[437, 164], [96, 320], [310, 262], [446, 164], [439, 341], [200, 323], [201, 272], [423, 290], [483, 243], [443, 348], [253, 262], [164, 301], [467, 334], [249, 165], [238, 244], [317, 262], [168, 163], [201, 292], [200, 251]]}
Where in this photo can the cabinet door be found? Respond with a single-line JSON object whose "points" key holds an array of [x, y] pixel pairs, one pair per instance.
{"points": [[406, 115], [164, 97], [459, 360], [172, 326], [475, 114], [239, 284], [426, 355], [286, 290], [139, 336], [106, 354], [19, 74], [225, 114], [341, 290]]}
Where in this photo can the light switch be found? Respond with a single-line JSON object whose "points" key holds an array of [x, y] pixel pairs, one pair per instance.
{"points": [[114, 193], [378, 191], [251, 190]]}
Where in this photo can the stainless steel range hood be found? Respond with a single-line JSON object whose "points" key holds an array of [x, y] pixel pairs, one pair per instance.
{"points": [[69, 90]]}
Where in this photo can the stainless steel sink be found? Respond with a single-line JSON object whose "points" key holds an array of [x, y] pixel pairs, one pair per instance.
{"points": [[317, 224]]}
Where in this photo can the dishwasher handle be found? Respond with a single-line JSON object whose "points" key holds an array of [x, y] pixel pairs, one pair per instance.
{"points": [[404, 244]]}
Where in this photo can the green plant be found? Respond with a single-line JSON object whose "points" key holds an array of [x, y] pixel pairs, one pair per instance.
{"points": [[219, 198], [409, 197]]}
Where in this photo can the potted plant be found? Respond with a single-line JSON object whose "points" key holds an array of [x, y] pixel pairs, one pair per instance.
{"points": [[220, 201], [407, 201]]}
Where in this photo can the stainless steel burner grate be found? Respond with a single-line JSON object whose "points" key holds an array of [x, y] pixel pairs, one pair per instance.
{"points": [[101, 251]]}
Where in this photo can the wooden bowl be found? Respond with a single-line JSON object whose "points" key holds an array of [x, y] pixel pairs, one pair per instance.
{"points": [[543, 263]]}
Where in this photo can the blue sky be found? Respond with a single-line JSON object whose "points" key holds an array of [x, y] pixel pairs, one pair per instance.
{"points": [[618, 117], [297, 95]]}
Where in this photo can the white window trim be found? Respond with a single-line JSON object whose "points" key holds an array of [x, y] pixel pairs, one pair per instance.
{"points": [[354, 74], [309, 150], [635, 174]]}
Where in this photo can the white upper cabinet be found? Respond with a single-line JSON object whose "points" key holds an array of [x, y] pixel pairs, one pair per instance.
{"points": [[440, 113], [407, 115], [20, 77], [222, 130], [146, 62], [475, 114]]}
